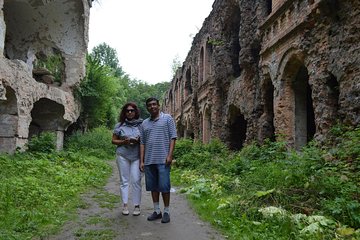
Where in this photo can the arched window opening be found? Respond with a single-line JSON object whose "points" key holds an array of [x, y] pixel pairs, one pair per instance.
{"points": [[8, 122], [47, 115], [207, 126], [201, 66], [176, 96], [269, 131], [171, 101], [188, 87], [180, 94], [201, 126], [189, 132], [237, 128], [268, 6], [207, 63], [180, 129]]}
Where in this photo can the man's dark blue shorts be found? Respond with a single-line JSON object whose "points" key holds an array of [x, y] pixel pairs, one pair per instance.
{"points": [[157, 178]]}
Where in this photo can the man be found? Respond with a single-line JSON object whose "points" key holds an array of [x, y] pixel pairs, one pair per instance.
{"points": [[157, 143]]}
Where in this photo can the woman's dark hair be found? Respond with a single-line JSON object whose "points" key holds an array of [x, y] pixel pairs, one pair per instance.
{"points": [[122, 115]]}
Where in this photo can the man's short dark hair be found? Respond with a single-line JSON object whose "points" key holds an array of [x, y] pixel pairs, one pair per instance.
{"points": [[152, 99]]}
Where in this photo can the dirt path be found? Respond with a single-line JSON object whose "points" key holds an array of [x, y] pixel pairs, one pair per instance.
{"points": [[100, 218]]}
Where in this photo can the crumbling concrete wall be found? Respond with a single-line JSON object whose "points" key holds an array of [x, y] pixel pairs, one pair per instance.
{"points": [[270, 69], [43, 46]]}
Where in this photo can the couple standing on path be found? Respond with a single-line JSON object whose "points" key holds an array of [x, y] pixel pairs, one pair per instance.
{"points": [[145, 147]]}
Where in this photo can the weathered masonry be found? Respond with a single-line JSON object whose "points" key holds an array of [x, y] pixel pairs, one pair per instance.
{"points": [[43, 44], [261, 69]]}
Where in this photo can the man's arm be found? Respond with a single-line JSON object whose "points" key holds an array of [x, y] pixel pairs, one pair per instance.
{"points": [[169, 157], [142, 157]]}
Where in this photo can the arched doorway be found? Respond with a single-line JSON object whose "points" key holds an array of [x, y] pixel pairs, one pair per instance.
{"points": [[268, 129], [189, 131], [207, 126], [237, 128], [180, 129], [304, 112], [47, 115]]}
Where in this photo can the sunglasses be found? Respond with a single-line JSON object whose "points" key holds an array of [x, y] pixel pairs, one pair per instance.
{"points": [[130, 110]]}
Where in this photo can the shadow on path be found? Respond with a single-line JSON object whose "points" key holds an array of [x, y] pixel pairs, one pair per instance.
{"points": [[100, 218]]}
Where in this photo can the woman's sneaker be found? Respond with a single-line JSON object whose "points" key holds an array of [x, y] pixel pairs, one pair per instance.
{"points": [[136, 211], [125, 211]]}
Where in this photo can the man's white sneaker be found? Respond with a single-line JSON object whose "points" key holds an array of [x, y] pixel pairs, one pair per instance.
{"points": [[136, 211], [125, 211]]}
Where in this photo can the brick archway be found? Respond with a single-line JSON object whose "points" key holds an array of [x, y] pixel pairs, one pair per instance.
{"points": [[294, 105]]}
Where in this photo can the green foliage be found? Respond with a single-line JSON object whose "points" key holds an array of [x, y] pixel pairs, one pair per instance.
{"points": [[138, 91], [269, 192], [200, 156], [45, 143], [176, 64], [53, 63], [106, 88], [39, 190], [98, 94], [107, 57], [216, 42], [183, 146], [95, 142]]}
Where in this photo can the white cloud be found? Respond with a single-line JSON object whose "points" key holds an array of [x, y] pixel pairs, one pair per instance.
{"points": [[147, 34]]}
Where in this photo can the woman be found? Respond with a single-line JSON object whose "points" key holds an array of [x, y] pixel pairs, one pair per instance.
{"points": [[126, 137]]}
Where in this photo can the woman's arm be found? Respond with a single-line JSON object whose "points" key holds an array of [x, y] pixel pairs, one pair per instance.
{"points": [[117, 141]]}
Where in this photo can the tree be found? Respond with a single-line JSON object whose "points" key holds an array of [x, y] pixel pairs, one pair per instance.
{"points": [[176, 64], [98, 93], [107, 56], [106, 88], [139, 91]]}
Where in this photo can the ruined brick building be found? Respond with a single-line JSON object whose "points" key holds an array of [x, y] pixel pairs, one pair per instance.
{"points": [[260, 69], [43, 44]]}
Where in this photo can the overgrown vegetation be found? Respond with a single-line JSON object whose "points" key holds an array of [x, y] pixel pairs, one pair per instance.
{"points": [[106, 87], [45, 143], [268, 192], [39, 189], [53, 63]]}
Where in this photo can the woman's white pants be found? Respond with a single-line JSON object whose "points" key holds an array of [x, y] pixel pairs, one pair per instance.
{"points": [[130, 177]]}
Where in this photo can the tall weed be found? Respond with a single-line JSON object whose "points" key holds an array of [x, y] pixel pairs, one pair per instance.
{"points": [[317, 188], [45, 142], [38, 190], [96, 142]]}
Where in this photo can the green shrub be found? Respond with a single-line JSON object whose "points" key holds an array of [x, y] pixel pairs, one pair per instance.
{"points": [[182, 147], [320, 184], [54, 63], [96, 142], [45, 143]]}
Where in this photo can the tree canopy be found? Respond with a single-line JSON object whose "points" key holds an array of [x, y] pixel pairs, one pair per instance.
{"points": [[106, 88]]}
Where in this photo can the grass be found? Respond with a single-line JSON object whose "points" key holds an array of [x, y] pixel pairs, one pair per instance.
{"points": [[270, 192], [261, 192], [95, 234], [40, 189], [107, 200]]}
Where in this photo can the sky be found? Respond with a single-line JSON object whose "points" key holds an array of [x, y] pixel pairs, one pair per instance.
{"points": [[147, 34]]}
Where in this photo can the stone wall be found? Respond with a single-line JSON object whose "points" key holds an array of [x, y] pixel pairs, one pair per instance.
{"points": [[37, 96], [270, 69]]}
